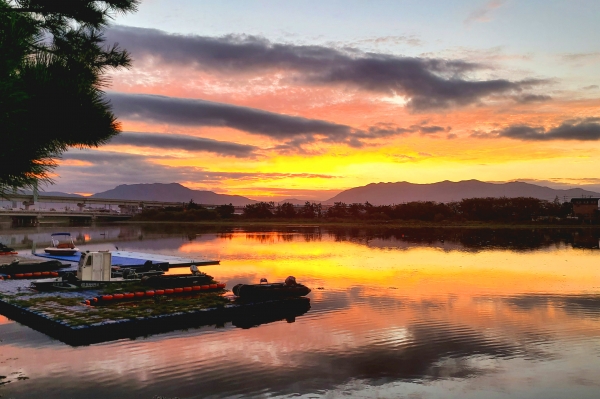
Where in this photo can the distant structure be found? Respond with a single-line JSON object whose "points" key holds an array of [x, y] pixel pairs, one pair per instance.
{"points": [[585, 208]]}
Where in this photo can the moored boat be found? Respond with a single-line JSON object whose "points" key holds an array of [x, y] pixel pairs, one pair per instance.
{"points": [[94, 271], [62, 244], [4, 250], [290, 288]]}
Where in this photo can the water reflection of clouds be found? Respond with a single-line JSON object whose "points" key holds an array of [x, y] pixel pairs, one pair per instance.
{"points": [[583, 306], [384, 317]]}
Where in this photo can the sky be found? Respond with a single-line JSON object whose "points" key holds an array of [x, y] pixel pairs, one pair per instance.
{"points": [[275, 100]]}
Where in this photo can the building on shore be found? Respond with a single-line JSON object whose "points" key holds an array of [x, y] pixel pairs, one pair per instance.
{"points": [[585, 208]]}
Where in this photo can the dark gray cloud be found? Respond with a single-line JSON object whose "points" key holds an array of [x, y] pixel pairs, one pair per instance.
{"points": [[532, 98], [587, 129], [386, 130], [191, 112], [591, 87], [185, 142], [295, 132], [427, 82]]}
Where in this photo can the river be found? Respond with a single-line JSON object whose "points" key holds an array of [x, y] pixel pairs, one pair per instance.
{"points": [[412, 313]]}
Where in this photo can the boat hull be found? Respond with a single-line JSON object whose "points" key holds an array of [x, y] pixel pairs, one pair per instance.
{"points": [[61, 251], [69, 281], [270, 291], [31, 267], [60, 283]]}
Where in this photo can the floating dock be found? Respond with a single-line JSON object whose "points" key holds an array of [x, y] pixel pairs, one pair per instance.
{"points": [[127, 258], [75, 324], [65, 316]]}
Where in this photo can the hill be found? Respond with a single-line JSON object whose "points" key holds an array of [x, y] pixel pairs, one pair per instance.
{"points": [[447, 191], [171, 192]]}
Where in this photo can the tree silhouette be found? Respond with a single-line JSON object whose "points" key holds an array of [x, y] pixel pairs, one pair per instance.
{"points": [[52, 71]]}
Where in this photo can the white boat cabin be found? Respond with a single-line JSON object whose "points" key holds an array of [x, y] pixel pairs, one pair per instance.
{"points": [[95, 266]]}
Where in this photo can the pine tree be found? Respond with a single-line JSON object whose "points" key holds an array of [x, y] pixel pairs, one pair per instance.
{"points": [[52, 71]]}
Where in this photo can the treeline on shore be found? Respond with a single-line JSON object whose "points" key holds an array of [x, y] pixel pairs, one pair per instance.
{"points": [[522, 209]]}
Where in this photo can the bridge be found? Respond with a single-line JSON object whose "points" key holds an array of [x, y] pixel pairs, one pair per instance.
{"points": [[33, 209], [28, 200]]}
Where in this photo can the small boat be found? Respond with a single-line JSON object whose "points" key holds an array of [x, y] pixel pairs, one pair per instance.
{"points": [[289, 289], [16, 266], [62, 244], [4, 250], [94, 271]]}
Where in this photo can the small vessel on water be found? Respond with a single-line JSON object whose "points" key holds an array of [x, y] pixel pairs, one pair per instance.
{"points": [[4, 250], [62, 244], [94, 270], [288, 289]]}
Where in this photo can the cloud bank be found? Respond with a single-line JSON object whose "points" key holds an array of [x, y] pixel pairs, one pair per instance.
{"points": [[192, 112], [587, 129], [185, 142], [427, 83], [295, 131]]}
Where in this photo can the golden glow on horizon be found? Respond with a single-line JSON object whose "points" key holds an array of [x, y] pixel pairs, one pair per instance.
{"points": [[327, 166]]}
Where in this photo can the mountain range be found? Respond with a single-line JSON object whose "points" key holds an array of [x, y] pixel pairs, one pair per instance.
{"points": [[171, 192], [447, 191], [374, 193]]}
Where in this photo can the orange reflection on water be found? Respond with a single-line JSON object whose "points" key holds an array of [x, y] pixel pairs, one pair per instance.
{"points": [[417, 271], [410, 306]]}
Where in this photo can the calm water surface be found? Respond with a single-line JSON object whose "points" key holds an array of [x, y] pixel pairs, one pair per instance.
{"points": [[403, 313]]}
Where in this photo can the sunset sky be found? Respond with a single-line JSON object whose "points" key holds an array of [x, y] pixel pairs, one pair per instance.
{"points": [[278, 99]]}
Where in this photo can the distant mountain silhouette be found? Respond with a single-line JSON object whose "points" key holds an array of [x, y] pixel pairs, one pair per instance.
{"points": [[172, 192], [447, 191]]}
